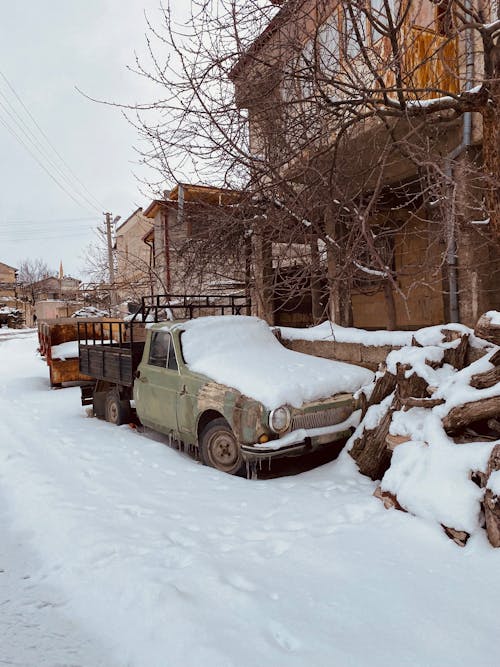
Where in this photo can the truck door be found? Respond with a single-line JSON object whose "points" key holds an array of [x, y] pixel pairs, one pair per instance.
{"points": [[159, 385]]}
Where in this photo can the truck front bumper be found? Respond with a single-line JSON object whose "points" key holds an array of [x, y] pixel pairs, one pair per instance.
{"points": [[301, 441]]}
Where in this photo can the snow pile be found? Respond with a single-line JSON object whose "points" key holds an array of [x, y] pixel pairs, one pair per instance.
{"points": [[430, 474], [10, 316], [63, 351], [242, 352], [90, 311]]}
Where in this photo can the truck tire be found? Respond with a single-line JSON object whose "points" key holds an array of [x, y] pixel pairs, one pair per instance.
{"points": [[117, 411], [219, 448]]}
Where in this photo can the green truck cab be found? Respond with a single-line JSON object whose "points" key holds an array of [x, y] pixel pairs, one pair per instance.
{"points": [[224, 426]]}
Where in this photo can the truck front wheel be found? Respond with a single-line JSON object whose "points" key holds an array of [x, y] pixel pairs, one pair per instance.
{"points": [[219, 448], [117, 411]]}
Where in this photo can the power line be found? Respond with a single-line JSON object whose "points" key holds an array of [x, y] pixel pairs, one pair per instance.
{"points": [[96, 204], [12, 238], [46, 221], [34, 142], [56, 181]]}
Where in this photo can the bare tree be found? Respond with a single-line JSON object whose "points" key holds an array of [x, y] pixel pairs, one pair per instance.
{"points": [[352, 114], [31, 271]]}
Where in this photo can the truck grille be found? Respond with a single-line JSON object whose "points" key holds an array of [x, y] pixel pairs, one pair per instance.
{"points": [[321, 418]]}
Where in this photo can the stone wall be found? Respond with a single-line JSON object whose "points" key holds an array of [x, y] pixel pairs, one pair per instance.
{"points": [[369, 356]]}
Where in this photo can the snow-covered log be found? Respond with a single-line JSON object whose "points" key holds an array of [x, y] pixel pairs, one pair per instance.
{"points": [[456, 356], [488, 327], [370, 449], [409, 383], [492, 498], [474, 411], [384, 385], [488, 378]]}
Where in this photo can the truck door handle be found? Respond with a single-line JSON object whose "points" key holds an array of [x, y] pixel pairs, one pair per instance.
{"points": [[183, 390]]}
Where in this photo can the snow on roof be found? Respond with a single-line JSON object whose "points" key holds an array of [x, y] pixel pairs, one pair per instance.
{"points": [[243, 353]]}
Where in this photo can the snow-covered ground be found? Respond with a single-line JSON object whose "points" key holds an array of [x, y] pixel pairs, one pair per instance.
{"points": [[138, 556]]}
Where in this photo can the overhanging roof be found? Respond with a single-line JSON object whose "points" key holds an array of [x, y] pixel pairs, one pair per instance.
{"points": [[8, 266]]}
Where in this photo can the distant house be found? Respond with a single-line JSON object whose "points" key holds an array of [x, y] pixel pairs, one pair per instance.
{"points": [[8, 281], [53, 288], [133, 257], [182, 259]]}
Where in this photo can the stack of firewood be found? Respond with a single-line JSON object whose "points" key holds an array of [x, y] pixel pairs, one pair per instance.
{"points": [[402, 385]]}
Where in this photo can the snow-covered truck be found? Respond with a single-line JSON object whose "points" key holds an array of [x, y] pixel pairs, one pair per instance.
{"points": [[222, 386]]}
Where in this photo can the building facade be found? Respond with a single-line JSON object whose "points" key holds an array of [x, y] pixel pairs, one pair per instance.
{"points": [[375, 121]]}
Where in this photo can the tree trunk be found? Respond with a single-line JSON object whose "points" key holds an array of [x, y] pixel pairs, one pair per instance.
{"points": [[316, 308], [491, 156], [390, 305]]}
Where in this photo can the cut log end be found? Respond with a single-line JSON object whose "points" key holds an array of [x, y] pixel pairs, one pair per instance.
{"points": [[389, 499], [486, 330], [460, 537]]}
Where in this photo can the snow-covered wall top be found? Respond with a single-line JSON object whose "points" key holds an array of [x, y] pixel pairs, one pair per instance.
{"points": [[329, 331]]}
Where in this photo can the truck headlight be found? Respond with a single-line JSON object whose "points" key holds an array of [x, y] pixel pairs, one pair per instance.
{"points": [[279, 419]]}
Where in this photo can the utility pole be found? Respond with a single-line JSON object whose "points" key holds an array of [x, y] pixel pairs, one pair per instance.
{"points": [[111, 264]]}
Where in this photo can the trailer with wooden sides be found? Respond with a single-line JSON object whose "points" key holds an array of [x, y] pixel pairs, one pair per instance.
{"points": [[58, 344]]}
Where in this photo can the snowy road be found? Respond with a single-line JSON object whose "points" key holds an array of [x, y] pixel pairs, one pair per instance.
{"points": [[141, 557], [34, 629]]}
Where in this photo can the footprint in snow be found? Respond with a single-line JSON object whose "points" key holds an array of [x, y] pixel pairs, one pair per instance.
{"points": [[293, 525], [180, 539], [240, 583], [276, 548], [358, 513], [283, 637]]}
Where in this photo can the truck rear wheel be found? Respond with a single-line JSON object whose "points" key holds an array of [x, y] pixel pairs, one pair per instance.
{"points": [[220, 449], [117, 410]]}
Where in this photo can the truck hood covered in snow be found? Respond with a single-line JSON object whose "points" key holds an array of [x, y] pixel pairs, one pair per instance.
{"points": [[242, 352]]}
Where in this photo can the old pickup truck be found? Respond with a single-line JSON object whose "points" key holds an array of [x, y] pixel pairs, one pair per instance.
{"points": [[222, 386]]}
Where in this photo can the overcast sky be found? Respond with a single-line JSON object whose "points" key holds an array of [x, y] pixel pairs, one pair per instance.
{"points": [[47, 49]]}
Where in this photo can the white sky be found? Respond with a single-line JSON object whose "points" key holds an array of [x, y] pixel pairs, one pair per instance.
{"points": [[48, 48]]}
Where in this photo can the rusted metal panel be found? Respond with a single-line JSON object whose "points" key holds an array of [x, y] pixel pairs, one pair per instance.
{"points": [[65, 370], [430, 62]]}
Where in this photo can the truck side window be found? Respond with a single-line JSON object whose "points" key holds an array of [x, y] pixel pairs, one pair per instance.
{"points": [[172, 361], [158, 352]]}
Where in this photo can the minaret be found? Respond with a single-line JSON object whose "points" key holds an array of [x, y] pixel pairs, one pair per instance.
{"points": [[61, 272]]}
